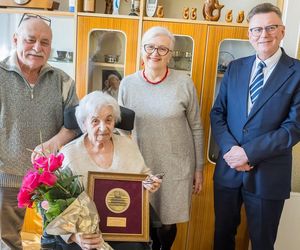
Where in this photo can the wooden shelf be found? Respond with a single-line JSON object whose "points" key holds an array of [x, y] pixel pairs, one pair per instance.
{"points": [[107, 15], [37, 11], [178, 20]]}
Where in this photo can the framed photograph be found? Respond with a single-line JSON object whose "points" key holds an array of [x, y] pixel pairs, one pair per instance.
{"points": [[111, 81], [108, 72], [123, 205]]}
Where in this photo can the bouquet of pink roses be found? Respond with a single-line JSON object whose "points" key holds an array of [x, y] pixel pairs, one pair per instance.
{"points": [[48, 187], [59, 197]]}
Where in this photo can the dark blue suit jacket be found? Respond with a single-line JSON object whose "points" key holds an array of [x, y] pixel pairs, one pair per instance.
{"points": [[267, 134]]}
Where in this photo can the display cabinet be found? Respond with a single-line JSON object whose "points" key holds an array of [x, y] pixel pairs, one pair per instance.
{"points": [[107, 46], [106, 60], [201, 226]]}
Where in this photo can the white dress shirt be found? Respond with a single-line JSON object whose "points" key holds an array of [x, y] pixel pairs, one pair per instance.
{"points": [[271, 63]]}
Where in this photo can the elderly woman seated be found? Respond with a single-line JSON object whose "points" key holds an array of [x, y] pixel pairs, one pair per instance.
{"points": [[99, 149]]}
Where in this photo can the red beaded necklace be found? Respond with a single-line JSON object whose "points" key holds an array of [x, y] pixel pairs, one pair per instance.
{"points": [[154, 83]]}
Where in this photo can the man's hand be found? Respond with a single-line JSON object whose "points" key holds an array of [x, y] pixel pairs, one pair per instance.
{"points": [[236, 157], [243, 168], [198, 182], [54, 144]]}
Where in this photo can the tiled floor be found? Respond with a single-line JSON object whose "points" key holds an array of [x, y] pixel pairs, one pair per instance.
{"points": [[31, 241]]}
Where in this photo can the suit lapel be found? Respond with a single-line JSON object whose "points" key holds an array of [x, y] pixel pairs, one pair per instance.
{"points": [[243, 83], [278, 77]]}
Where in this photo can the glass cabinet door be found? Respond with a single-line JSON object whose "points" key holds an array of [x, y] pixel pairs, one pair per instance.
{"points": [[229, 50], [106, 60], [182, 54]]}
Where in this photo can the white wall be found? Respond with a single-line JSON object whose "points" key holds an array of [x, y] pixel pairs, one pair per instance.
{"points": [[7, 29], [291, 19], [289, 227]]}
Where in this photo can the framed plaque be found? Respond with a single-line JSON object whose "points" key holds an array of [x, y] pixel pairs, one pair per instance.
{"points": [[123, 205]]}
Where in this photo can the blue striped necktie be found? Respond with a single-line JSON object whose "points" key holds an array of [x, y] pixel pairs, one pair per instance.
{"points": [[257, 82]]}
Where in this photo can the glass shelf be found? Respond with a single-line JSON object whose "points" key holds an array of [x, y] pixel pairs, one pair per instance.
{"points": [[106, 60], [59, 61], [182, 54], [229, 50], [108, 65]]}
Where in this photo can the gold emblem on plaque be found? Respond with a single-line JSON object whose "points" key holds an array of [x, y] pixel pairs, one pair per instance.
{"points": [[117, 200]]}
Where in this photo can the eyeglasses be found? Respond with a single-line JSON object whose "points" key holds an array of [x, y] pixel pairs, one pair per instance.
{"points": [[270, 29], [161, 50], [27, 16]]}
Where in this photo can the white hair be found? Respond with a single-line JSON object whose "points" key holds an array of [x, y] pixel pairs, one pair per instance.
{"points": [[29, 23], [158, 31], [93, 102]]}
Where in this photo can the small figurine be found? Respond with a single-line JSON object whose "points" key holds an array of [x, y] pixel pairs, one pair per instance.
{"points": [[228, 16], [116, 5], [240, 17], [208, 10], [194, 13], [185, 13], [108, 7], [160, 11]]}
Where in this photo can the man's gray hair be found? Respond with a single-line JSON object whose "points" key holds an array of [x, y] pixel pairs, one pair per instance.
{"points": [[93, 102], [264, 8], [158, 31]]}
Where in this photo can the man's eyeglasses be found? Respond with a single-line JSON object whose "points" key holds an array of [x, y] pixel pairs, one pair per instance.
{"points": [[27, 16], [270, 29], [161, 50]]}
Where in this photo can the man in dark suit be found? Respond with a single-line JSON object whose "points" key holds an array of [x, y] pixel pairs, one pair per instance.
{"points": [[256, 122]]}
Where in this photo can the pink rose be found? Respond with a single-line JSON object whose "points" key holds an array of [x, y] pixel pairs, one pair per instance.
{"points": [[41, 162], [47, 178], [24, 198], [55, 162], [45, 205], [31, 181]]}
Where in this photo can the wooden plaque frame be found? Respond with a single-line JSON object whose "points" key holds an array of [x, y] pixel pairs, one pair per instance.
{"points": [[123, 205]]}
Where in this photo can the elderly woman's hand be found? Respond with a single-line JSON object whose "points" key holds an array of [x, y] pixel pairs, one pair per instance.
{"points": [[152, 183], [88, 241], [198, 181]]}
